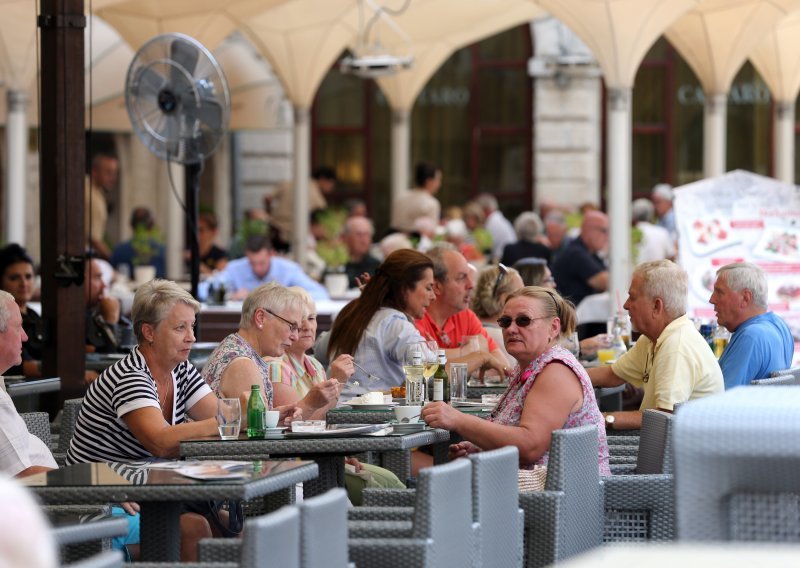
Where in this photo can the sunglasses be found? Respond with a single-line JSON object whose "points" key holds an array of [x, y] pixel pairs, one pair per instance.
{"points": [[502, 270], [521, 321]]}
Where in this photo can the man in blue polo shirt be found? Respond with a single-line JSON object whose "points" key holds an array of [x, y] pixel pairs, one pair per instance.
{"points": [[761, 342], [260, 266]]}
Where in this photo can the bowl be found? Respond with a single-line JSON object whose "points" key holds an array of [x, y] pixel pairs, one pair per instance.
{"points": [[407, 414], [308, 426]]}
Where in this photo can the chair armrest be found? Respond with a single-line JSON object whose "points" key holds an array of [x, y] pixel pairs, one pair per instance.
{"points": [[380, 514], [393, 553], [543, 515], [95, 530], [380, 529], [219, 550], [651, 495], [623, 468], [389, 497]]}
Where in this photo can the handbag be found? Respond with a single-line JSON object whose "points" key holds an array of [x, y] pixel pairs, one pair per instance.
{"points": [[532, 479]]}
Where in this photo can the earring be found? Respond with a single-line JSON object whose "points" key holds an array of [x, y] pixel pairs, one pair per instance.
{"points": [[259, 326]]}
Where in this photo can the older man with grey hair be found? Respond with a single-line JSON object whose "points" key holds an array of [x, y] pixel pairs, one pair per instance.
{"points": [[655, 242], [498, 226], [671, 361], [529, 227], [761, 342], [357, 238], [21, 453], [662, 200]]}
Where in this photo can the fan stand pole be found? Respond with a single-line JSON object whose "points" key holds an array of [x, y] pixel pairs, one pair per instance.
{"points": [[192, 181]]}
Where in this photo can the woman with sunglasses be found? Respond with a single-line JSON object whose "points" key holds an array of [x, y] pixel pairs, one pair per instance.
{"points": [[493, 286], [271, 316], [549, 390]]}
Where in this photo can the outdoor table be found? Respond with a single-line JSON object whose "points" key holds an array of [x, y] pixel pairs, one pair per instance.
{"points": [[161, 493], [328, 452], [349, 415]]}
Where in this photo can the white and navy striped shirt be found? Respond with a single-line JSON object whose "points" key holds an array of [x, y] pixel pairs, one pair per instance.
{"points": [[100, 433]]}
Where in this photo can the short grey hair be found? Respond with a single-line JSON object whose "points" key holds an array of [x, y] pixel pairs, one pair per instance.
{"points": [[663, 190], [436, 253], [528, 226], [309, 306], [487, 201], [154, 300], [5, 313], [348, 224], [666, 280], [642, 209], [741, 276], [270, 296]]}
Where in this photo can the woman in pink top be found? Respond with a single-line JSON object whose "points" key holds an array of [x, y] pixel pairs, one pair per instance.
{"points": [[562, 396]]}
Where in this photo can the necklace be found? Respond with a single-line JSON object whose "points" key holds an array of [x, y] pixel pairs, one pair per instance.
{"points": [[167, 392]]}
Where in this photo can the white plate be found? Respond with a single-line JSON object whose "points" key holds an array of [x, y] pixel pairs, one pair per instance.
{"points": [[359, 406], [487, 405], [277, 430]]}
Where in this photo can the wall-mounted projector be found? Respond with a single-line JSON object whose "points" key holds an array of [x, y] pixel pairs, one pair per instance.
{"points": [[374, 66]]}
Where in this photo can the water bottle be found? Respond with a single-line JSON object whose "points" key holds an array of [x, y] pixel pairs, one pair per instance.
{"points": [[255, 413], [618, 342], [415, 381]]}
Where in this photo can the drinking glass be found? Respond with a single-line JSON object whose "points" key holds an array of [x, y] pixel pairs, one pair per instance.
{"points": [[430, 359], [413, 365], [458, 382], [229, 418]]}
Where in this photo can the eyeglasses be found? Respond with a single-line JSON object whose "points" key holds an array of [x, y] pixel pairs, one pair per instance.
{"points": [[293, 327], [502, 270], [521, 321]]}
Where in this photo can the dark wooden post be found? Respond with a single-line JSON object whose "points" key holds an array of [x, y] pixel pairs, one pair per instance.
{"points": [[62, 167]]}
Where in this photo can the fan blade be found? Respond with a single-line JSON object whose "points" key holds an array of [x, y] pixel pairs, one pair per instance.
{"points": [[185, 55], [209, 113], [150, 82]]}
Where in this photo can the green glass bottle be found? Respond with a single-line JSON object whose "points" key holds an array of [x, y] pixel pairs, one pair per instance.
{"points": [[440, 384], [255, 413]]}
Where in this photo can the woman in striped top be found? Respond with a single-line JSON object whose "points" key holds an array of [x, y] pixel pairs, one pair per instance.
{"points": [[140, 406]]}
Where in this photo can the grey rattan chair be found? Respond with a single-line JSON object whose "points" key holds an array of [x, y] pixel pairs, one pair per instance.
{"points": [[737, 457], [776, 381], [69, 418], [440, 533], [107, 559], [494, 504], [323, 540], [640, 503], [38, 424], [275, 536], [81, 541], [566, 518], [794, 371]]}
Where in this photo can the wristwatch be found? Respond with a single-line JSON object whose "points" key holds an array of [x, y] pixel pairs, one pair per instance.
{"points": [[610, 419]]}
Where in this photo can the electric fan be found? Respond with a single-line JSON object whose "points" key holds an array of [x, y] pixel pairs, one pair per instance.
{"points": [[178, 102]]}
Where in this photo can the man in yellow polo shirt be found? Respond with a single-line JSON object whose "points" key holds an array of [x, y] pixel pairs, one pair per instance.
{"points": [[671, 361]]}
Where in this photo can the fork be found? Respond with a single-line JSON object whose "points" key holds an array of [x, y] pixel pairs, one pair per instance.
{"points": [[370, 376]]}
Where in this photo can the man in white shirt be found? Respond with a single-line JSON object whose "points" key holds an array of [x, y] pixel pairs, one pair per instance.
{"points": [[656, 242], [501, 229], [21, 453]]}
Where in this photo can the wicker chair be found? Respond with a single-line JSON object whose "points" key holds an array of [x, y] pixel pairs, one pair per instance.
{"points": [[69, 418], [38, 424], [640, 501], [275, 536], [107, 559], [82, 541], [440, 532], [566, 518], [776, 381], [494, 504], [737, 455], [794, 371]]}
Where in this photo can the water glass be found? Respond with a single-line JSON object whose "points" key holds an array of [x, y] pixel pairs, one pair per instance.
{"points": [[458, 382], [229, 418]]}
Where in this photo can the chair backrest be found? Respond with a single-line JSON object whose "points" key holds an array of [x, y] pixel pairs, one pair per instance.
{"points": [[776, 381], [107, 559], [655, 443], [323, 534], [495, 505], [38, 424], [794, 371], [737, 455], [573, 469], [276, 537], [442, 513], [69, 418]]}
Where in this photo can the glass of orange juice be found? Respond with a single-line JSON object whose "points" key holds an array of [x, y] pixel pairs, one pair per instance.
{"points": [[605, 355]]}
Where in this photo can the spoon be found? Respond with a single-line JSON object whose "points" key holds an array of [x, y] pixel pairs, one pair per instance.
{"points": [[408, 419]]}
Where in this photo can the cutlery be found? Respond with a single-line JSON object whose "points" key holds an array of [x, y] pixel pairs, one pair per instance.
{"points": [[370, 376]]}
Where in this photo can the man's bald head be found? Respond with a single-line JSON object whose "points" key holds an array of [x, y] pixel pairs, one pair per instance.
{"points": [[594, 230]]}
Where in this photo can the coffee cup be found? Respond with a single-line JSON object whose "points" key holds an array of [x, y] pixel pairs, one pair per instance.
{"points": [[271, 418]]}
